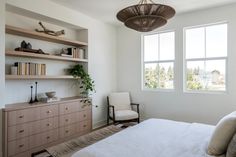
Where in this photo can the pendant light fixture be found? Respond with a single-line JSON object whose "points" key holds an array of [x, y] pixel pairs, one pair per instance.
{"points": [[145, 16]]}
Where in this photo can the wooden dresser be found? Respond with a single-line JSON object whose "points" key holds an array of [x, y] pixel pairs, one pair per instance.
{"points": [[31, 128]]}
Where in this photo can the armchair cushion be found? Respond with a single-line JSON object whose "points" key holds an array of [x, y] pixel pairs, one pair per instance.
{"points": [[121, 101], [125, 115]]}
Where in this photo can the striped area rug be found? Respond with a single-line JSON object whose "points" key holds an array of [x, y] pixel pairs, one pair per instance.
{"points": [[68, 148]]}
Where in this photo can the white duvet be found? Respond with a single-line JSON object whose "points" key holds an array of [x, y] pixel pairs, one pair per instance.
{"points": [[154, 138]]}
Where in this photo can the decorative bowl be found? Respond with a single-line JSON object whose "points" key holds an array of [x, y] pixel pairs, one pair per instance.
{"points": [[50, 94]]}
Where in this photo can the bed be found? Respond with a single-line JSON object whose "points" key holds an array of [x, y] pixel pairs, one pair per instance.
{"points": [[154, 138]]}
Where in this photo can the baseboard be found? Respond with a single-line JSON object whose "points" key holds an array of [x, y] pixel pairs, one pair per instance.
{"points": [[99, 124]]}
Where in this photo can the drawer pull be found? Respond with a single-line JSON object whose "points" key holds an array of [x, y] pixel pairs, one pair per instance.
{"points": [[22, 145], [85, 126], [84, 115], [48, 137], [49, 111], [67, 120], [21, 131], [67, 131], [21, 116], [48, 124], [66, 108]]}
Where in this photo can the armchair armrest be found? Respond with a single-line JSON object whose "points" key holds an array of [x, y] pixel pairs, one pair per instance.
{"points": [[134, 104], [111, 106], [137, 105], [113, 110]]}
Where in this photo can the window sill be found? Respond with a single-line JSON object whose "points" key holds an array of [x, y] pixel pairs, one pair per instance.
{"points": [[159, 90], [206, 92]]}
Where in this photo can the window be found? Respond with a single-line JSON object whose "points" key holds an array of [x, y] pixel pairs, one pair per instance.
{"points": [[206, 58], [158, 61]]}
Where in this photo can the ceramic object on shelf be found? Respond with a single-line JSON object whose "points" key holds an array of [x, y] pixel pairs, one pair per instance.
{"points": [[23, 44], [50, 94], [29, 46]]}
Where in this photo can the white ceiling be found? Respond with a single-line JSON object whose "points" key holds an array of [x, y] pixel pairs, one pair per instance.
{"points": [[106, 10]]}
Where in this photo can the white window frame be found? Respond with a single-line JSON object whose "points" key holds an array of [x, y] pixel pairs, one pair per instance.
{"points": [[158, 62], [185, 90]]}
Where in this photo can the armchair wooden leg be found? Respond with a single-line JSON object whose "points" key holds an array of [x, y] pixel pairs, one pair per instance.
{"points": [[138, 120], [107, 120]]}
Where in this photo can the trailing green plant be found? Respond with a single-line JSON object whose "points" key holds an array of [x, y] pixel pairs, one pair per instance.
{"points": [[85, 81]]}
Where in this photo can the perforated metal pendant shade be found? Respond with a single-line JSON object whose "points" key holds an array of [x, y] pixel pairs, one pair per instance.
{"points": [[145, 17]]}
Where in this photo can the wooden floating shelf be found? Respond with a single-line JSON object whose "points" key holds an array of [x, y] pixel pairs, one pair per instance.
{"points": [[42, 56], [41, 36], [38, 77]]}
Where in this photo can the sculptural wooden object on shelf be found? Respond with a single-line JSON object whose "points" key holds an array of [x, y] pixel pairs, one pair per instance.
{"points": [[48, 31]]}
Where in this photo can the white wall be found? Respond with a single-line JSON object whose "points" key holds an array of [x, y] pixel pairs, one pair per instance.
{"points": [[2, 50], [207, 108], [101, 40], [2, 62]]}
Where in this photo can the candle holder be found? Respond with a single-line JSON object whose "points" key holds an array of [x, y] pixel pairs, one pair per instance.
{"points": [[36, 94], [31, 97]]}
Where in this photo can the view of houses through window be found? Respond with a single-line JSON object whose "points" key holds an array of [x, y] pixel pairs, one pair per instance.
{"points": [[205, 63], [206, 58]]}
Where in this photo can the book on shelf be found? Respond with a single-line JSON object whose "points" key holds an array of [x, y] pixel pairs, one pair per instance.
{"points": [[74, 52], [30, 68]]}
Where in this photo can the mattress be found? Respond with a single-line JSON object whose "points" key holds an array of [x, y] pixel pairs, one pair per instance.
{"points": [[154, 138]]}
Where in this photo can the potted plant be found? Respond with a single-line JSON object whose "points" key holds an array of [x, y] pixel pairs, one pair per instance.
{"points": [[86, 84]]}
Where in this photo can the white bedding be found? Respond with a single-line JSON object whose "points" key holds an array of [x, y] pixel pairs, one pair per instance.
{"points": [[154, 138]]}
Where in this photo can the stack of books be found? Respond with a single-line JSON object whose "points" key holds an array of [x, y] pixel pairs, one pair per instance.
{"points": [[30, 68], [74, 52]]}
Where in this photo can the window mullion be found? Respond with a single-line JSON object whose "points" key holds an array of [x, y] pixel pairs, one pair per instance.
{"points": [[158, 64], [210, 58], [205, 77]]}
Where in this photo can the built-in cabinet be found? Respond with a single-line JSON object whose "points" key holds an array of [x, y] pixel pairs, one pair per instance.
{"points": [[31, 128]]}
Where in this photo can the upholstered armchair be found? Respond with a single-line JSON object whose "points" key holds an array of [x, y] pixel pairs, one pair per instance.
{"points": [[119, 108]]}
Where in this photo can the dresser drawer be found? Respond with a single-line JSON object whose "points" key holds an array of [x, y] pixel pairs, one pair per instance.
{"points": [[24, 154], [85, 126], [84, 106], [50, 136], [69, 130], [35, 141], [49, 124], [84, 115], [69, 107], [68, 119], [22, 116], [34, 127], [18, 131], [18, 146], [49, 111], [43, 138]]}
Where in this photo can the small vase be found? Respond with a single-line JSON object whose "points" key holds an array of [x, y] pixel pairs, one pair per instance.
{"points": [[23, 44], [29, 46]]}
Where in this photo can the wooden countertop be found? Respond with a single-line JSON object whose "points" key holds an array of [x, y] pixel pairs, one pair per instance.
{"points": [[20, 106]]}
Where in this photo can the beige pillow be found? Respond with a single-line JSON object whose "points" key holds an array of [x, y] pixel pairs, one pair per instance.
{"points": [[222, 135], [231, 151]]}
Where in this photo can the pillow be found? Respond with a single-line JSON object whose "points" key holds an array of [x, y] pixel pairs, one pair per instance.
{"points": [[231, 151], [223, 133]]}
